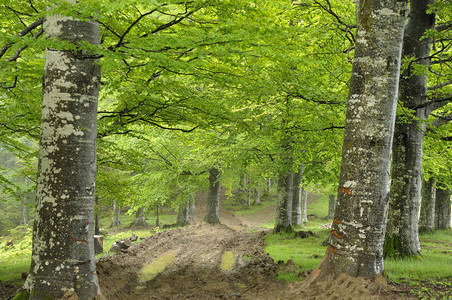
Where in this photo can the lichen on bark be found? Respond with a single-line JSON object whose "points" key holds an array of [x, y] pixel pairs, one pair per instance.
{"points": [[63, 250], [357, 235]]}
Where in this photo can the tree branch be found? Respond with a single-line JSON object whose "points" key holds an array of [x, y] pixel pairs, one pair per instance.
{"points": [[438, 86]]}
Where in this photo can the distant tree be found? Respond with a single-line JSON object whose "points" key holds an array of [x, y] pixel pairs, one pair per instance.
{"points": [[427, 216], [213, 197], [442, 208]]}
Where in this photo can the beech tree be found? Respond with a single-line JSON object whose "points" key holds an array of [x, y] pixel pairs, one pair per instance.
{"points": [[405, 193], [357, 235], [63, 252]]}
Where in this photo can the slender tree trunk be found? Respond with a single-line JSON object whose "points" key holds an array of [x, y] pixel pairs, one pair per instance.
{"points": [[258, 195], [192, 207], [183, 215], [25, 214], [357, 235], [116, 221], [25, 220], [63, 245], [331, 206], [284, 206], [296, 199], [304, 205], [157, 217], [402, 237], [96, 218], [427, 218], [213, 198], [442, 209], [269, 185], [248, 197]]}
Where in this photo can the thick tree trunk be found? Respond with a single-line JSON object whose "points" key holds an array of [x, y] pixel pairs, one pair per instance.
{"points": [[213, 198], [427, 218], [140, 218], [63, 245], [116, 221], [296, 199], [331, 206], [402, 238], [183, 215], [442, 209], [284, 206], [357, 235]]}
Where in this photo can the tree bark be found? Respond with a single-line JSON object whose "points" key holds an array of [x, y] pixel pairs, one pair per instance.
{"points": [[331, 206], [63, 247], [427, 218], [284, 206], [296, 199], [140, 218], [248, 188], [442, 209], [213, 198], [257, 201], [357, 235], [304, 205], [183, 215], [116, 221], [402, 237]]}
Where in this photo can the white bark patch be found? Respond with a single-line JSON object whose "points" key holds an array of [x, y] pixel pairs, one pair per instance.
{"points": [[350, 184], [53, 25]]}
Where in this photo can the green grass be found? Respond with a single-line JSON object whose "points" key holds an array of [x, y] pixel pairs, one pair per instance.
{"points": [[436, 263], [306, 253]]}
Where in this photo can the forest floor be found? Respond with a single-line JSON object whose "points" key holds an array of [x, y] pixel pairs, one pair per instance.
{"points": [[224, 261]]}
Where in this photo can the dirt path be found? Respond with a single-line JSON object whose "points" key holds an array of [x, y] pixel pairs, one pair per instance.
{"points": [[204, 261]]}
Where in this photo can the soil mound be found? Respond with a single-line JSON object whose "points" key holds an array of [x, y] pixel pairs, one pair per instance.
{"points": [[193, 262]]}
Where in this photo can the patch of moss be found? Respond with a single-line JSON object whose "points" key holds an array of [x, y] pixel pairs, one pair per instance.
{"points": [[157, 266], [227, 261]]}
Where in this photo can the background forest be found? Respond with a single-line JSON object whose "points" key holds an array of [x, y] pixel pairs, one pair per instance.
{"points": [[251, 90]]}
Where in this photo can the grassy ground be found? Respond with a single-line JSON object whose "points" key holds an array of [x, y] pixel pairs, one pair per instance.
{"points": [[433, 271]]}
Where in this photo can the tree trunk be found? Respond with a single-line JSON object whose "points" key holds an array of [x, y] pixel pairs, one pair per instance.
{"points": [[357, 235], [296, 199], [427, 218], [258, 195], [157, 216], [442, 209], [116, 221], [402, 237], [331, 206], [140, 218], [269, 186], [25, 220], [304, 205], [248, 188], [284, 206], [213, 198], [63, 245], [191, 210], [25, 215], [183, 215]]}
